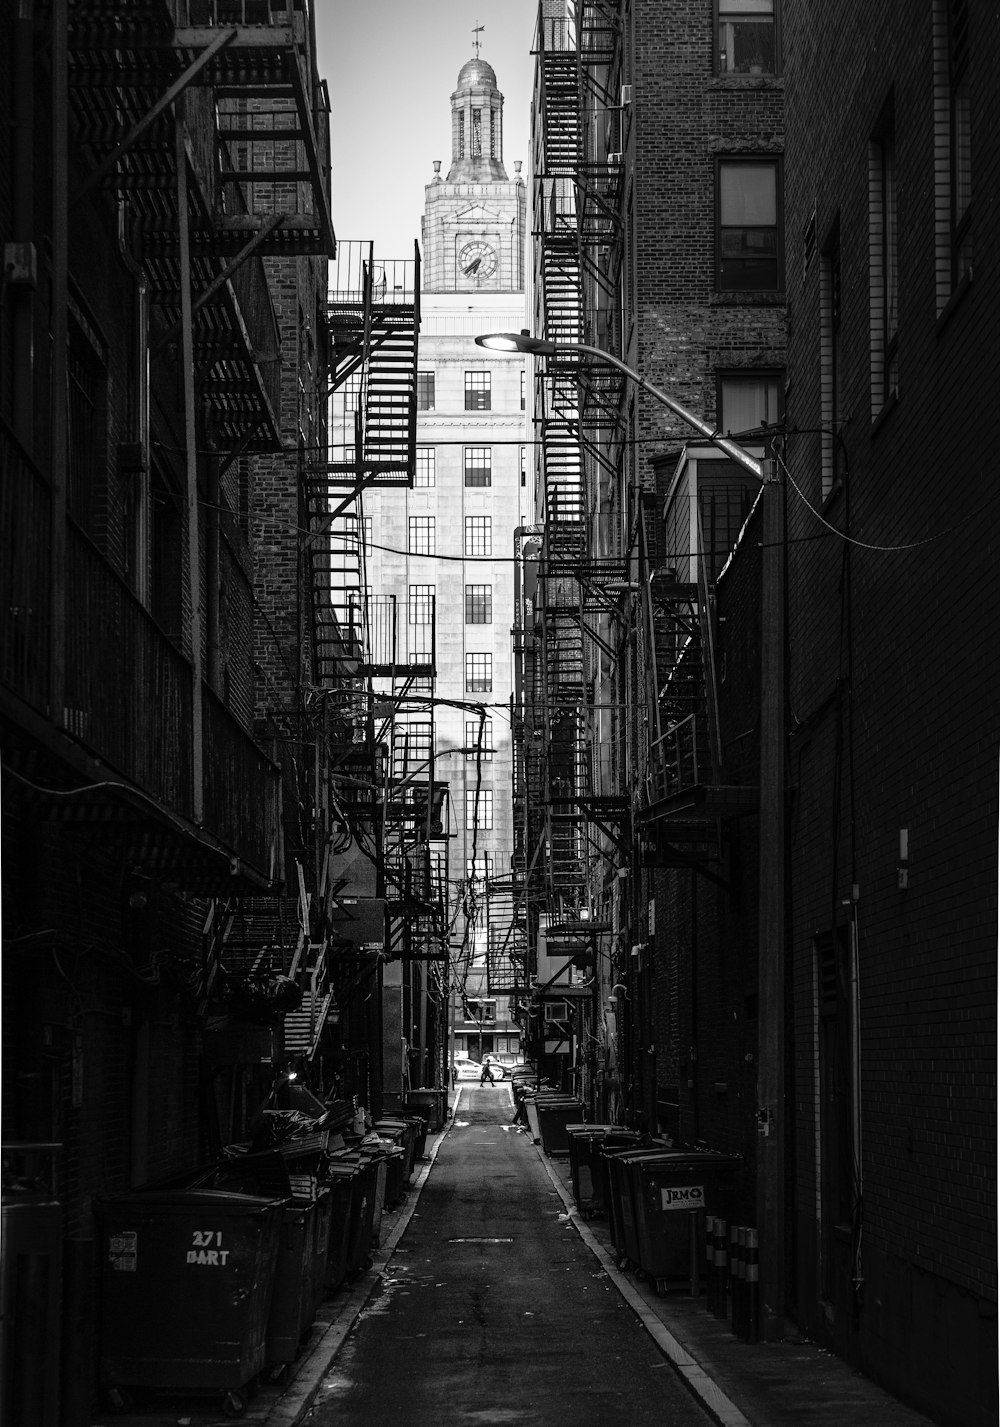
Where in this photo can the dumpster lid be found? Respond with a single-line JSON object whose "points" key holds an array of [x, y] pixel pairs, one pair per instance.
{"points": [[181, 1198]]}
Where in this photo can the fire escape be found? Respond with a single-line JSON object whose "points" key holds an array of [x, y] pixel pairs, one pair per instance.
{"points": [[374, 652]]}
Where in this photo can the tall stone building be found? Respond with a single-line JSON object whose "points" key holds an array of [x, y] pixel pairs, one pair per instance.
{"points": [[445, 550]]}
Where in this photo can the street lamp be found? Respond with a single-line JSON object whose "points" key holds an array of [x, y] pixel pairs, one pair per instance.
{"points": [[541, 347], [771, 915]]}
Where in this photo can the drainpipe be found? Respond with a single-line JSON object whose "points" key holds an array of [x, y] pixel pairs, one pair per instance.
{"points": [[20, 275], [190, 438], [59, 414]]}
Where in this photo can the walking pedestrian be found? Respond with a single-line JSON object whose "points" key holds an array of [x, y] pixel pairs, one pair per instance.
{"points": [[487, 1073]]}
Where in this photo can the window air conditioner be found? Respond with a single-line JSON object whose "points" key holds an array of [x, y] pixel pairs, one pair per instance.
{"points": [[556, 1011], [626, 94], [614, 158]]}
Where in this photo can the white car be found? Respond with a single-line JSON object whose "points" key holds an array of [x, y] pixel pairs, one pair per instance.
{"points": [[467, 1069]]}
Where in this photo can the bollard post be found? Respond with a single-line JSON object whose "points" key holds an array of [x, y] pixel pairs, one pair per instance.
{"points": [[721, 1257], [694, 1257], [711, 1278], [752, 1273], [740, 1289]]}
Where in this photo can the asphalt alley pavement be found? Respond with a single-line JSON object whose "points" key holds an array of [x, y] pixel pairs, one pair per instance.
{"points": [[494, 1309]]}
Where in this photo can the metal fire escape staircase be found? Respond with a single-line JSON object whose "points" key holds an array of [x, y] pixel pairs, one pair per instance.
{"points": [[263, 964], [415, 849], [559, 720], [374, 317], [686, 793], [256, 183]]}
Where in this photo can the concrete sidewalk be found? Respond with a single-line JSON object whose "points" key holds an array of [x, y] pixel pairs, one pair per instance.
{"points": [[793, 1383]]}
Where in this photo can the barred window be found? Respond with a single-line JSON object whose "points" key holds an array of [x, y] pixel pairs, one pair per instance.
{"points": [[478, 465], [479, 673], [479, 535], [425, 473], [479, 604], [421, 535]]}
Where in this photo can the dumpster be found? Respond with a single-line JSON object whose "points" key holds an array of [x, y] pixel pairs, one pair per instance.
{"points": [[554, 1114], [282, 1172], [671, 1192], [30, 1284], [587, 1165], [187, 1279], [342, 1179], [293, 1302], [359, 1240], [621, 1208], [432, 1103], [402, 1132]]}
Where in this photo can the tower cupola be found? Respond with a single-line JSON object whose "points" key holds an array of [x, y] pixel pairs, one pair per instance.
{"points": [[476, 126]]}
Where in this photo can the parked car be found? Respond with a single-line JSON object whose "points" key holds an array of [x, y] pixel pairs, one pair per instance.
{"points": [[468, 1069], [509, 1059]]}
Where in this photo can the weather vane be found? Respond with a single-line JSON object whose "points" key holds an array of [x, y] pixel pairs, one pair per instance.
{"points": [[476, 42]]}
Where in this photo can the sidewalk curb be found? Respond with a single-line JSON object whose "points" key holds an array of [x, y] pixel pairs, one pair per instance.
{"points": [[721, 1408], [295, 1402]]}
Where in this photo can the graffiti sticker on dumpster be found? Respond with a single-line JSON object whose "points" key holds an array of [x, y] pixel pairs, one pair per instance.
{"points": [[123, 1251], [687, 1196]]}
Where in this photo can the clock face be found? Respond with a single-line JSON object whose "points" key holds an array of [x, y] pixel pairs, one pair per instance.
{"points": [[477, 260]]}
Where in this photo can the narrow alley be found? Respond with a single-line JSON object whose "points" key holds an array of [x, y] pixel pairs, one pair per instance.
{"points": [[494, 1310]]}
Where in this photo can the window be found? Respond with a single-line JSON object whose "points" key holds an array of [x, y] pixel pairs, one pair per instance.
{"points": [[424, 473], [748, 400], [420, 608], [460, 137], [524, 465], [479, 535], [748, 256], [412, 749], [747, 38], [478, 868], [477, 133], [367, 531], [479, 673], [479, 604], [883, 260], [524, 377], [479, 739], [425, 391], [421, 535], [478, 465], [479, 809], [831, 389], [420, 619], [478, 391]]}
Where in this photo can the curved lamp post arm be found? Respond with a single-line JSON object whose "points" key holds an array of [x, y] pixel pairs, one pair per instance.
{"points": [[541, 347]]}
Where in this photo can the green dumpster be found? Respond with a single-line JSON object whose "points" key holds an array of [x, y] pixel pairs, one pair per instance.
{"points": [[587, 1165]]}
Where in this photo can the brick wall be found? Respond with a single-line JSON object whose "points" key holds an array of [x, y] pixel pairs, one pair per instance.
{"points": [[893, 695]]}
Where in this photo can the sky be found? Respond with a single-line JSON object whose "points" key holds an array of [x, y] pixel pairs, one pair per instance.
{"points": [[391, 67]]}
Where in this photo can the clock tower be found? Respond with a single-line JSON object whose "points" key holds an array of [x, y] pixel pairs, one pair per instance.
{"points": [[474, 219]]}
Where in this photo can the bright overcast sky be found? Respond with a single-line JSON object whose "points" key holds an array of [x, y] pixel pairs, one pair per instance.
{"points": [[391, 67]]}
